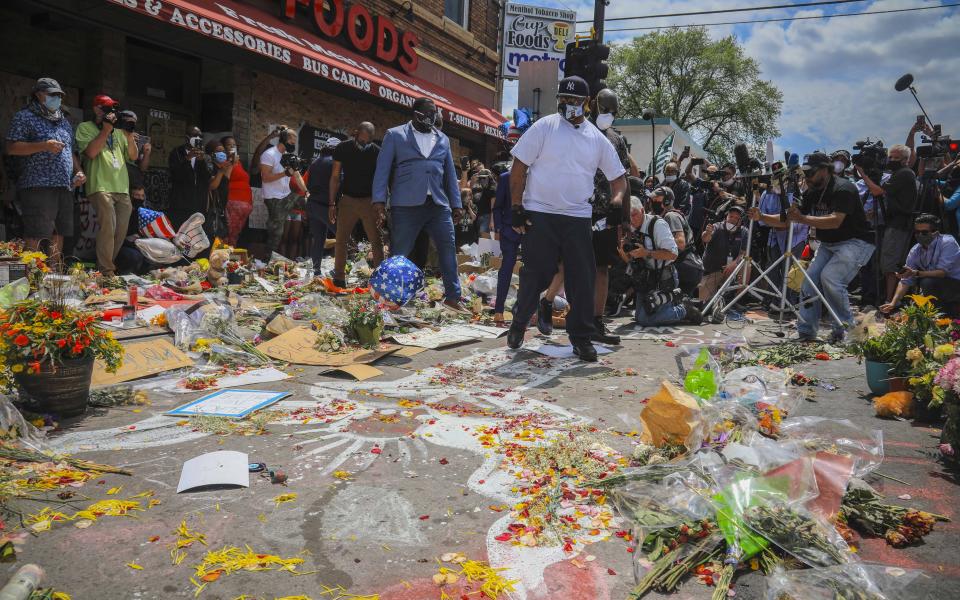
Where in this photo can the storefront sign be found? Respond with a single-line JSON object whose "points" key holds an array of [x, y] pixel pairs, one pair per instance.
{"points": [[374, 35], [534, 33], [225, 22]]}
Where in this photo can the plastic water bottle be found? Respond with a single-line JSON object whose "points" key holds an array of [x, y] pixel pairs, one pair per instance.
{"points": [[23, 583]]}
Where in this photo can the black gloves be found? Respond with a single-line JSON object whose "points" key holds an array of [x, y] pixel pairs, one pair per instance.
{"points": [[518, 216]]}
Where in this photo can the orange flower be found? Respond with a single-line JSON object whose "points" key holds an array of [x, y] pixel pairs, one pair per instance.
{"points": [[35, 367], [61, 343]]}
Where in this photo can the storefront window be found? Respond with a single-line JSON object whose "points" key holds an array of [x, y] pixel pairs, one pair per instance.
{"points": [[458, 11]]}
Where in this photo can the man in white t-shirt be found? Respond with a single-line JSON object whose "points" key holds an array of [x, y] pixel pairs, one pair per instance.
{"points": [[276, 186], [551, 183]]}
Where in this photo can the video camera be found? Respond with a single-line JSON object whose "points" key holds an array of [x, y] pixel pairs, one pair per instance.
{"points": [[292, 160], [938, 145], [870, 156]]}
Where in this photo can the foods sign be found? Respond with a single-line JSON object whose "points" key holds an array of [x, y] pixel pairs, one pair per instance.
{"points": [[535, 33]]}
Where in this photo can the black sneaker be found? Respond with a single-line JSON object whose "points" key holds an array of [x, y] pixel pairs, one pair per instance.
{"points": [[340, 283], [694, 316], [545, 316], [585, 351], [601, 334], [515, 338]]}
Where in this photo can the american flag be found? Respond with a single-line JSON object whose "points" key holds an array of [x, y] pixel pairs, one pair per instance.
{"points": [[154, 224]]}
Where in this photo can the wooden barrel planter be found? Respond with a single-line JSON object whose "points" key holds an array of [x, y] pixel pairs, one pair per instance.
{"points": [[62, 391]]}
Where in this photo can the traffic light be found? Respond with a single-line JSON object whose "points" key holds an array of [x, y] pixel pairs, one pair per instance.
{"points": [[597, 68], [587, 59]]}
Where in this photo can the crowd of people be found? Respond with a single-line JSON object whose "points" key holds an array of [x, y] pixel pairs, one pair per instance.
{"points": [[564, 196]]}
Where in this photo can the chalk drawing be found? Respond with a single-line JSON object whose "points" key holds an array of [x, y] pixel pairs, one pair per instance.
{"points": [[373, 514]]}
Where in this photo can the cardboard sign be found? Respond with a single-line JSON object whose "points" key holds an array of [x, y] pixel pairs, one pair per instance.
{"points": [[142, 359], [357, 372], [299, 346], [234, 404]]}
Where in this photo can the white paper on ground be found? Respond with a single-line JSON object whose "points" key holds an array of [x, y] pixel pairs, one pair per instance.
{"points": [[229, 403], [150, 312], [487, 331], [428, 338], [257, 376], [555, 351], [488, 246], [269, 287], [225, 467]]}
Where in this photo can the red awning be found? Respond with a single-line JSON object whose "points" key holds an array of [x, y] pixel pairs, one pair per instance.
{"points": [[263, 34]]}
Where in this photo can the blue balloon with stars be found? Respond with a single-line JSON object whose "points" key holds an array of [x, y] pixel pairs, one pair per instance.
{"points": [[397, 280]]}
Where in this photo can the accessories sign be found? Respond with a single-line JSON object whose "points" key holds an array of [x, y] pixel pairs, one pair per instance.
{"points": [[534, 33]]}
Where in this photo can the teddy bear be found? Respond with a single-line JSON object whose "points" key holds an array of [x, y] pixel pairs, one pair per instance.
{"points": [[217, 274]]}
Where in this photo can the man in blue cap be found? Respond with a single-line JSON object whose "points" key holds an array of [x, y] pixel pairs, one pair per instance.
{"points": [[551, 184]]}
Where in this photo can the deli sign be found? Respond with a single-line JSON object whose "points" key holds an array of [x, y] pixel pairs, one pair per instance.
{"points": [[353, 24]]}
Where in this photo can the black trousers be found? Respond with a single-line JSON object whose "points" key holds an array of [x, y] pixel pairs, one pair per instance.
{"points": [[551, 239], [945, 289]]}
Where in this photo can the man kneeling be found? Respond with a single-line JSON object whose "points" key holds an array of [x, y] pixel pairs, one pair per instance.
{"points": [[933, 265], [650, 250]]}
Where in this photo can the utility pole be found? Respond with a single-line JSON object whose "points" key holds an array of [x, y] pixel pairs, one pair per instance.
{"points": [[598, 9]]}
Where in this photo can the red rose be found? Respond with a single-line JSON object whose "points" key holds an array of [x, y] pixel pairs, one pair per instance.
{"points": [[21, 340], [55, 315], [77, 348], [61, 343]]}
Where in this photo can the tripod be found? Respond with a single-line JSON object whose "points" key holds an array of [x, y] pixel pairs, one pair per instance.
{"points": [[787, 258]]}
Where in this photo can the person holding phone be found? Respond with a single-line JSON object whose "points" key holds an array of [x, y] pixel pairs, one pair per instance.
{"points": [[933, 265], [239, 194], [190, 175]]}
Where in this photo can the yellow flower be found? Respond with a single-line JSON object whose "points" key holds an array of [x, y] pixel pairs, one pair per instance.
{"points": [[914, 355], [18, 368], [921, 301], [943, 351]]}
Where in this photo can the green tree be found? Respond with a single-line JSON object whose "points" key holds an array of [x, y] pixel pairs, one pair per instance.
{"points": [[708, 87]]}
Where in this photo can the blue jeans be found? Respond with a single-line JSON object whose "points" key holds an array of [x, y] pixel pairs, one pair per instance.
{"points": [[832, 269], [666, 314], [406, 222]]}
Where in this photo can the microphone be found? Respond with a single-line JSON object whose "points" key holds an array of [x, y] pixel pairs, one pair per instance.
{"points": [[903, 83], [742, 157], [793, 161]]}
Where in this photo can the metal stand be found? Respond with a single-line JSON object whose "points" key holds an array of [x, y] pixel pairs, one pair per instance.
{"points": [[787, 258]]}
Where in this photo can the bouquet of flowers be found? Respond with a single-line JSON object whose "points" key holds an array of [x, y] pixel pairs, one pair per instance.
{"points": [[11, 249], [34, 333], [948, 381]]}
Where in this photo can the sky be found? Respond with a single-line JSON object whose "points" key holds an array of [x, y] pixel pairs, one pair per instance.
{"points": [[837, 75]]}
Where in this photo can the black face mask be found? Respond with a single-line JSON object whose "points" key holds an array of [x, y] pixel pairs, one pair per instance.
{"points": [[894, 165], [423, 121], [925, 238], [656, 208]]}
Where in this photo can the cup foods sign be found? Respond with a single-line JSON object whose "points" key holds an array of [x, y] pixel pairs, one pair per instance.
{"points": [[535, 33]]}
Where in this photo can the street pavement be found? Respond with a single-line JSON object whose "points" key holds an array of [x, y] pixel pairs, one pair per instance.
{"points": [[419, 483]]}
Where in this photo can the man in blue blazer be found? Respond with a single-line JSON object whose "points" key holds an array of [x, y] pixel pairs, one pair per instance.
{"points": [[415, 168]]}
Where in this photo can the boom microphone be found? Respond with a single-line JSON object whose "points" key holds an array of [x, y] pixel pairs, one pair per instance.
{"points": [[742, 157]]}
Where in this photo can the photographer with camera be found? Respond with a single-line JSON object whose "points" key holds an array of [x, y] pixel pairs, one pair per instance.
{"points": [[137, 167], [832, 206], [277, 165], [105, 151], [933, 265], [40, 146], [899, 197], [678, 185], [688, 265], [190, 175], [650, 251], [725, 243]]}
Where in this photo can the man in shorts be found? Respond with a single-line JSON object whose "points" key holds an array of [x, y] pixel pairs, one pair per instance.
{"points": [[41, 139]]}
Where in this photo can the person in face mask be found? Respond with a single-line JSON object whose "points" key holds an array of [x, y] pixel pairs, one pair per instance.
{"points": [[355, 163], [606, 217], [190, 175], [899, 198], [689, 268], [551, 187], [415, 169], [42, 139], [680, 187], [933, 265], [831, 205], [841, 162], [725, 243]]}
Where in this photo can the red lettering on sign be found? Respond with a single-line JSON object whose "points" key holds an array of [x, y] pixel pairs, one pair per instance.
{"points": [[359, 20], [408, 45], [387, 43], [332, 25]]}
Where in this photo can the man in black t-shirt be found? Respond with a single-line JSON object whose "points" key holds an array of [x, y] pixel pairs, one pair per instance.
{"points": [[831, 205], [483, 192], [357, 160]]}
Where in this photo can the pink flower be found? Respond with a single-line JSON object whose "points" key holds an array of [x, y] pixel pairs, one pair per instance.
{"points": [[946, 450]]}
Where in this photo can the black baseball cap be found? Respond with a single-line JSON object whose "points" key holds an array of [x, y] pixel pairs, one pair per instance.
{"points": [[47, 85], [573, 86], [815, 160]]}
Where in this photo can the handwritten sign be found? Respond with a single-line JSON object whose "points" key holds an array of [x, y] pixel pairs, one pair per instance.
{"points": [[299, 346], [142, 359]]}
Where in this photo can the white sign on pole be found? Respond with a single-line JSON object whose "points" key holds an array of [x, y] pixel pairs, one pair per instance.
{"points": [[534, 33]]}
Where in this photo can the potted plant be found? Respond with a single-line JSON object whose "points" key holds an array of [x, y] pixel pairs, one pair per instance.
{"points": [[366, 322], [880, 354], [48, 350]]}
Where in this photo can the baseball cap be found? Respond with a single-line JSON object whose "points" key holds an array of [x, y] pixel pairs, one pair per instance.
{"points": [[666, 192], [128, 115], [104, 100], [573, 86], [815, 160], [331, 142], [47, 85]]}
